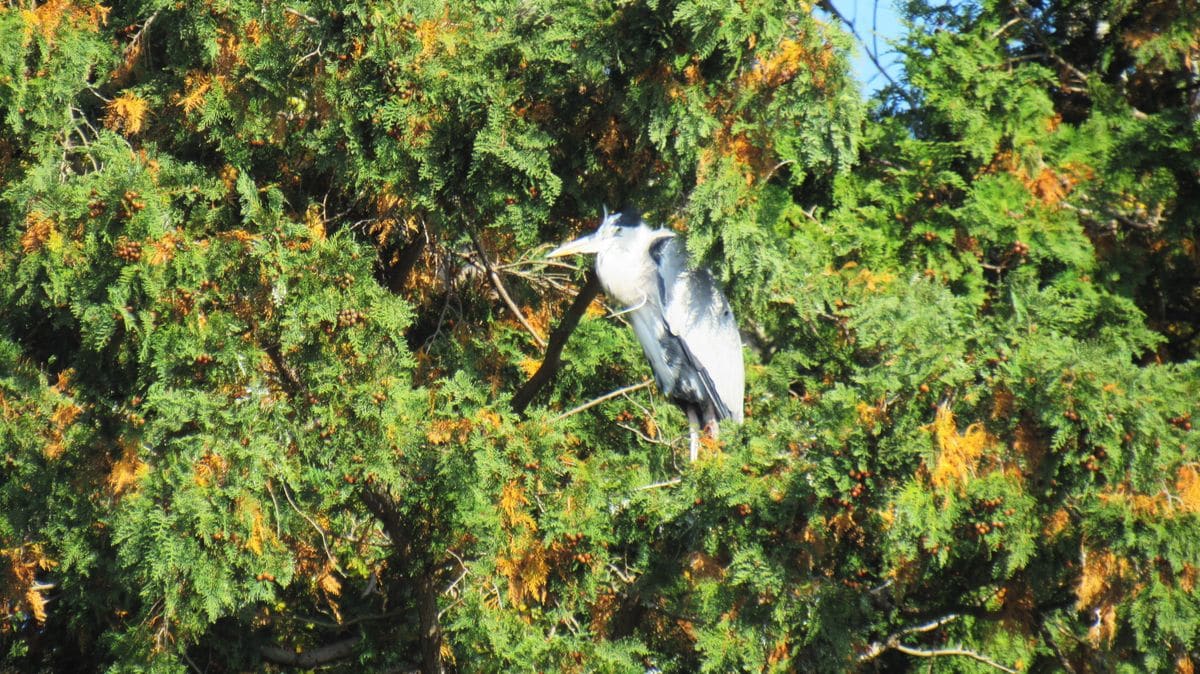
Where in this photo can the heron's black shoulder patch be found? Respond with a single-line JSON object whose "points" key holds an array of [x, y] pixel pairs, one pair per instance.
{"points": [[629, 217], [658, 248]]}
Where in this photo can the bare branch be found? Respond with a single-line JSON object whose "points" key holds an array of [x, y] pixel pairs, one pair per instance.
{"points": [[308, 619], [930, 626], [317, 527], [878, 648], [1045, 42], [499, 285], [669, 483], [645, 438], [1150, 222], [554, 281], [892, 642], [300, 15], [309, 659], [607, 396], [934, 653], [278, 517], [871, 53], [1011, 22], [539, 263]]}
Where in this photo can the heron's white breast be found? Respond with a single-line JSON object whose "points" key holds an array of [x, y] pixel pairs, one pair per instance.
{"points": [[628, 277]]}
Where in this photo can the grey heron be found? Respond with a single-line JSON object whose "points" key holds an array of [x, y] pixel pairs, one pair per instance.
{"points": [[679, 315]]}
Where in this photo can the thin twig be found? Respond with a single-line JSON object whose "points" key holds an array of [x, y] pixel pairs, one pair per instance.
{"points": [[300, 61], [278, 532], [97, 94], [930, 626], [625, 577], [135, 43], [1041, 36], [607, 396], [659, 440], [892, 642], [540, 263], [324, 542], [465, 571], [828, 5], [883, 586], [499, 285], [555, 281], [776, 168], [350, 622], [190, 663], [880, 647], [300, 15], [645, 438], [669, 483]]}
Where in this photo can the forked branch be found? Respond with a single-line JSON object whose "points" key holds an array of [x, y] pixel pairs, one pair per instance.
{"points": [[498, 284], [892, 642], [558, 339]]}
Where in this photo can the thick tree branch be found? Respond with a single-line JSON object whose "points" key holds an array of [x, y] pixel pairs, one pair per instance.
{"points": [[1062, 659], [286, 373], [558, 339], [309, 659], [383, 507], [301, 15], [397, 269]]}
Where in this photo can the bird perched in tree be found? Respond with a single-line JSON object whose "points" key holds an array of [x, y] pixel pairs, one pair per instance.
{"points": [[679, 315]]}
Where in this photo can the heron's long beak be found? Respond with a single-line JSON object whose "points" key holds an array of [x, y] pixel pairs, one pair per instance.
{"points": [[584, 244]]}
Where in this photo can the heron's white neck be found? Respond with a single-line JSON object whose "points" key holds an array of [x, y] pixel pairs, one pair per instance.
{"points": [[626, 270]]}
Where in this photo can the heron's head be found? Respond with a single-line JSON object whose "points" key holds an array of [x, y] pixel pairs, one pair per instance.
{"points": [[615, 230]]}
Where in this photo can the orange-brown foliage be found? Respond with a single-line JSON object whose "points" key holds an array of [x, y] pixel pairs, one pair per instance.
{"points": [[523, 563], [1100, 588], [959, 455], [126, 112], [38, 230], [1188, 484], [1056, 524], [702, 566], [46, 19], [127, 471], [195, 85], [19, 588]]}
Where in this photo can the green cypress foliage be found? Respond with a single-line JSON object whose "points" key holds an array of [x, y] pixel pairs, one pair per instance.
{"points": [[280, 381]]}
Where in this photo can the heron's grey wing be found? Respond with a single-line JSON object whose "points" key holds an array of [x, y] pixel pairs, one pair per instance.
{"points": [[697, 313], [664, 351]]}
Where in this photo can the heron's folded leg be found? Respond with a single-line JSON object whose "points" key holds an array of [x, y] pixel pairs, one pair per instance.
{"points": [[712, 428], [693, 434]]}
